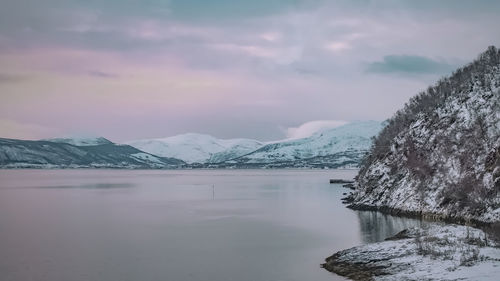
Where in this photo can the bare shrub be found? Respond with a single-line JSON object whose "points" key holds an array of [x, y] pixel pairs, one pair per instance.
{"points": [[470, 256], [494, 232]]}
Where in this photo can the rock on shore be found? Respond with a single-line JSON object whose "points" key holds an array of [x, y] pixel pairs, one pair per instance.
{"points": [[450, 252]]}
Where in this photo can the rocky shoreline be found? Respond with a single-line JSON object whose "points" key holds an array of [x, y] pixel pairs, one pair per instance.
{"points": [[432, 216], [420, 215], [438, 159], [449, 252], [467, 246]]}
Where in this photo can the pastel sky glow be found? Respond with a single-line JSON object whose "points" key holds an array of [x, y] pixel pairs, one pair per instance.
{"points": [[127, 69]]}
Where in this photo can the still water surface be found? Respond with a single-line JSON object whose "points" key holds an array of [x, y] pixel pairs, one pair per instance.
{"points": [[210, 225]]}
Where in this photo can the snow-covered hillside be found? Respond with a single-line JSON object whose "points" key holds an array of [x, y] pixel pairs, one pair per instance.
{"points": [[338, 147], [197, 148], [349, 141], [440, 155], [80, 141], [341, 146], [49, 154]]}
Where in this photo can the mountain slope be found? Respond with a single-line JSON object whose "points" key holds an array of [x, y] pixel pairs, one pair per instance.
{"points": [[336, 147], [440, 155], [81, 141], [197, 148], [49, 154]]}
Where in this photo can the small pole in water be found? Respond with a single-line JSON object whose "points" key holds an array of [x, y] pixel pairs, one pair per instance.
{"points": [[213, 191]]}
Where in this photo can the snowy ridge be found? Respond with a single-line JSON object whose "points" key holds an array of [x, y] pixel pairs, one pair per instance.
{"points": [[197, 148], [440, 155], [80, 141], [49, 155], [353, 138], [333, 148], [338, 147]]}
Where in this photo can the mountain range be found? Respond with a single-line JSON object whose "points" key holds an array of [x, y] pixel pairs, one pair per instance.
{"points": [[78, 153], [197, 148], [342, 146]]}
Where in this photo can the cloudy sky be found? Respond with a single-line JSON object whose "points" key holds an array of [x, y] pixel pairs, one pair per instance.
{"points": [[130, 69]]}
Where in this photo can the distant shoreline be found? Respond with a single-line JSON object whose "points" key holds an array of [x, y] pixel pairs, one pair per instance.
{"points": [[172, 169]]}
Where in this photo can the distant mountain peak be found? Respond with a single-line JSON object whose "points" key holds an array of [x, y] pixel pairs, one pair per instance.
{"points": [[87, 153], [196, 148], [352, 138], [81, 141]]}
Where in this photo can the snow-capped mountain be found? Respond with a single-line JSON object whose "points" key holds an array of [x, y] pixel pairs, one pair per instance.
{"points": [[439, 156], [81, 141], [235, 148], [98, 153], [338, 147], [341, 146], [349, 142], [197, 148]]}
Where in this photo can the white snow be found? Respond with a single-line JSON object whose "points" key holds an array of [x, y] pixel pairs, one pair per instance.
{"points": [[381, 185], [81, 141], [353, 137], [196, 148], [449, 252], [144, 157], [449, 261]]}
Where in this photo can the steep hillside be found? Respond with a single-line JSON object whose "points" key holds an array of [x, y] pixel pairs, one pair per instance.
{"points": [[49, 154], [197, 148], [337, 147], [440, 155]]}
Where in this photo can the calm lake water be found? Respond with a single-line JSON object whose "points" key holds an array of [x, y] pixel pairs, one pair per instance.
{"points": [[210, 225]]}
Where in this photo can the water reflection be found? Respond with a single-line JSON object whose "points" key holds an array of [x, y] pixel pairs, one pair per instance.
{"points": [[376, 226], [91, 186], [105, 225]]}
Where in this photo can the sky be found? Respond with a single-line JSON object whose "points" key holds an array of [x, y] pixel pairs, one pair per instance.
{"points": [[262, 69]]}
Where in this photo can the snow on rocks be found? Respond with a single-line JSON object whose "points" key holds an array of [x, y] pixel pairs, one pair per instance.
{"points": [[197, 148], [450, 252], [440, 155]]}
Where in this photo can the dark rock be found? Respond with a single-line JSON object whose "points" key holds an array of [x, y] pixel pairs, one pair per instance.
{"points": [[404, 234], [365, 270], [340, 181], [349, 185]]}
